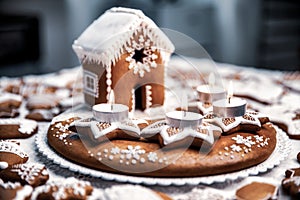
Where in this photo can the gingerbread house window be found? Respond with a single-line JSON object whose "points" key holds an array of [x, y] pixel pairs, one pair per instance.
{"points": [[90, 81]]}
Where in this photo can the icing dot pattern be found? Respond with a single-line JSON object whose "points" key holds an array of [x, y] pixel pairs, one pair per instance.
{"points": [[62, 131], [11, 147], [243, 145]]}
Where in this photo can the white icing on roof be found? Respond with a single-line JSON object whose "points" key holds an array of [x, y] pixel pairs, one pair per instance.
{"points": [[105, 39]]}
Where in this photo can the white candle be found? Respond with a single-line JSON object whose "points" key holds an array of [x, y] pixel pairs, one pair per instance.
{"points": [[230, 107], [110, 112], [183, 119], [210, 92], [236, 107]]}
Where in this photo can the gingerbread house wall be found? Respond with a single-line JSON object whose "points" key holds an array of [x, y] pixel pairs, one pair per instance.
{"points": [[124, 80], [99, 96]]}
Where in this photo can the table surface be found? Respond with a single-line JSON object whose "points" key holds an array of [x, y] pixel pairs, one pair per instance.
{"points": [[227, 188]]}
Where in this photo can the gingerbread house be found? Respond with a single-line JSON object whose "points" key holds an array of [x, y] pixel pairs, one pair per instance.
{"points": [[123, 50]]}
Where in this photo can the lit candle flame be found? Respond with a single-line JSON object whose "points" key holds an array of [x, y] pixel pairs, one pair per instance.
{"points": [[111, 99], [230, 91], [211, 79]]}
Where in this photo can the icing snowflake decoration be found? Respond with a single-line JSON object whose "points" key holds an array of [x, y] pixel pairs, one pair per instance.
{"points": [[141, 56], [133, 152], [26, 126], [131, 155]]}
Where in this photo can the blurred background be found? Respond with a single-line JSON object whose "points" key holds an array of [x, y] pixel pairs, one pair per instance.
{"points": [[36, 36]]}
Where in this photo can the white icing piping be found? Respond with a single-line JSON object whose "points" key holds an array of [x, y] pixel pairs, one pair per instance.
{"points": [[95, 77], [148, 96], [28, 171], [108, 81], [26, 126], [143, 44], [12, 148], [132, 101]]}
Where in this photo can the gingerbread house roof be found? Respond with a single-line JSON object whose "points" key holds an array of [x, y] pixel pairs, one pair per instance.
{"points": [[106, 39]]}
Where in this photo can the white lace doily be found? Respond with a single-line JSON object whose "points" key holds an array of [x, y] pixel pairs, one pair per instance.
{"points": [[281, 151]]}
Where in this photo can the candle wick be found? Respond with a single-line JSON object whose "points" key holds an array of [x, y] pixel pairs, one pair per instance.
{"points": [[229, 98], [111, 107]]}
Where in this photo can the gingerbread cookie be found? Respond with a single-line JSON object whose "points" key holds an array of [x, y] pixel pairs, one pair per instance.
{"points": [[257, 191], [286, 115], [291, 183], [69, 102], [42, 114], [9, 104], [33, 174], [17, 128], [69, 188], [12, 191], [10, 154], [42, 101]]}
